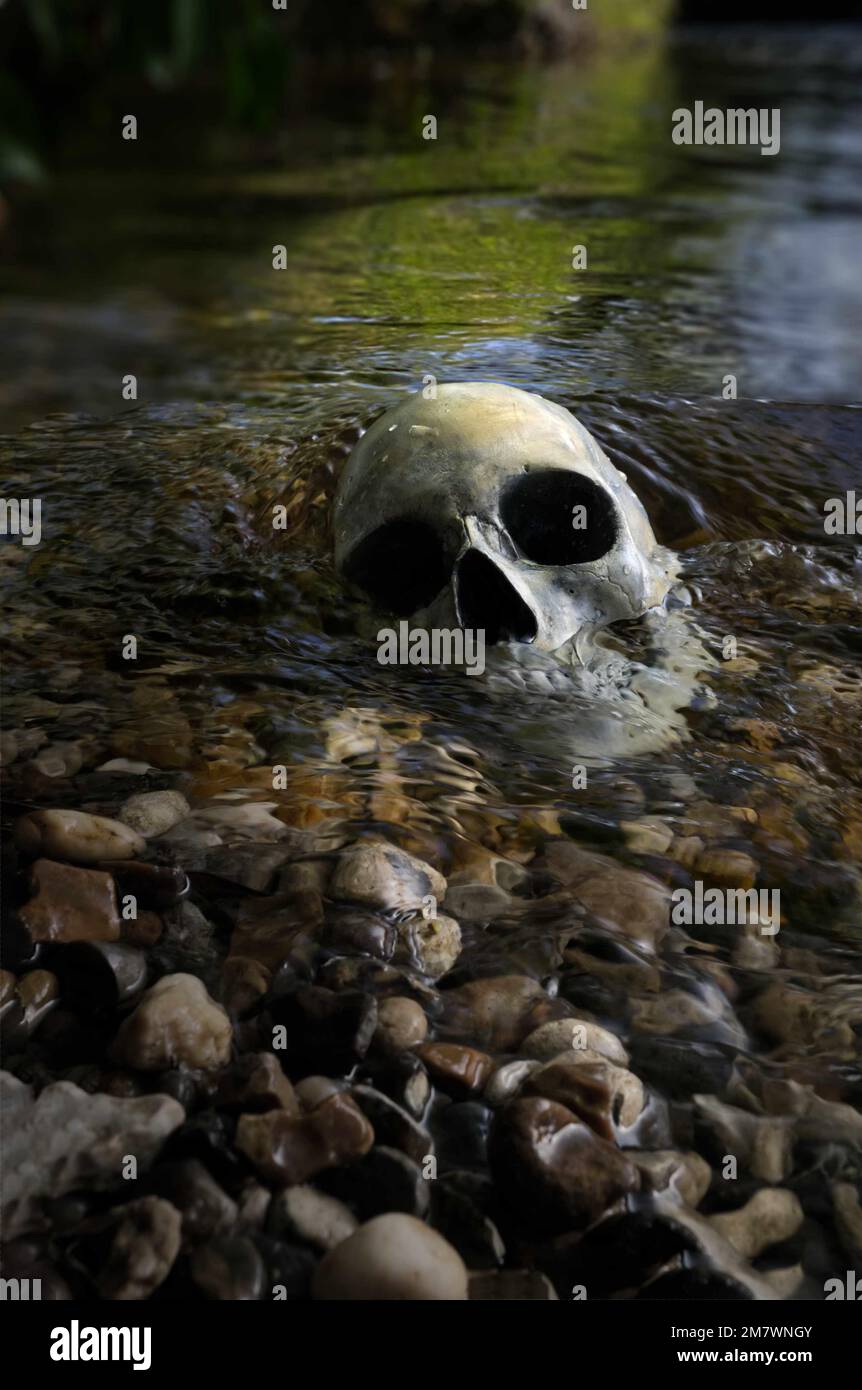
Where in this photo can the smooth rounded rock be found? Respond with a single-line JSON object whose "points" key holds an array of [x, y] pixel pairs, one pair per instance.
{"points": [[392, 1257], [154, 813], [573, 1035], [175, 1023], [77, 836], [401, 1024]]}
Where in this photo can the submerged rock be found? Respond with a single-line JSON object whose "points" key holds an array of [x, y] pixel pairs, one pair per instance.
{"points": [[383, 876], [606, 1096], [289, 1149], [494, 1013], [153, 813], [70, 904], [68, 1140], [303, 1214], [392, 1257], [772, 1215], [573, 1037], [77, 836], [455, 1068], [144, 1246], [401, 1024], [175, 1023], [553, 1168]]}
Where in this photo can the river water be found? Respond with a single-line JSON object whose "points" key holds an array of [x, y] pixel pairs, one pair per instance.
{"points": [[452, 258]]}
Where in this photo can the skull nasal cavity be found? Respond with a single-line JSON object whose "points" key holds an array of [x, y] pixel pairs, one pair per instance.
{"points": [[401, 566], [485, 599], [556, 517]]}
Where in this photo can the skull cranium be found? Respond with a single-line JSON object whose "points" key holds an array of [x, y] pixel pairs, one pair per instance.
{"points": [[491, 508]]}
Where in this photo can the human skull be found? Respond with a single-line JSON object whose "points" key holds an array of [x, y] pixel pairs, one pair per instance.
{"points": [[491, 508]]}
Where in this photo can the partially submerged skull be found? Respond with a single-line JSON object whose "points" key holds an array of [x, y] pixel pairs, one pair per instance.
{"points": [[491, 508]]}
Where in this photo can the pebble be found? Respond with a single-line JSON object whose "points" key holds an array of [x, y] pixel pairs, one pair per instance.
{"points": [[431, 945], [311, 1091], [155, 886], [288, 1149], [381, 875], [478, 902], [67, 1140], [455, 1068], [762, 1144], [393, 1125], [392, 1257], [494, 1013], [606, 1096], [176, 1023], [772, 1215], [301, 1213], [472, 863], [144, 1246], [683, 1172], [573, 1035], [633, 902], [125, 765], [70, 904], [100, 975], [230, 1268], [251, 821], [848, 1218], [16, 743], [244, 984], [552, 1168], [326, 1032], [730, 868], [681, 1069], [205, 1208], [154, 813], [402, 1077], [648, 835], [457, 1214], [676, 1009], [785, 1013], [401, 1024], [257, 1082], [461, 1133], [507, 1081], [384, 1180], [60, 759], [77, 836]]}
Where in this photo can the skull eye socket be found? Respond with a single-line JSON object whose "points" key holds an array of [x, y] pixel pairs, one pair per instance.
{"points": [[401, 566], [559, 518]]}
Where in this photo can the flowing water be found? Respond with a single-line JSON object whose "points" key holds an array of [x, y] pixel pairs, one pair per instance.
{"points": [[452, 258]]}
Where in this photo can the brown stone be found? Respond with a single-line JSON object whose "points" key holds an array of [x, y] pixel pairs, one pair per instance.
{"points": [[76, 835], [730, 868], [245, 981], [288, 1149], [554, 1169], [633, 902], [602, 1094], [144, 930], [257, 1082], [70, 904], [496, 1012], [267, 928], [456, 1068]]}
